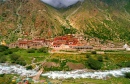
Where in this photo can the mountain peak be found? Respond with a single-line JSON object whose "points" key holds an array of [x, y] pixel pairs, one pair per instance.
{"points": [[61, 3]]}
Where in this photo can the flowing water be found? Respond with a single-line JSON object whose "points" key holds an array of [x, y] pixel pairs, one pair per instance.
{"points": [[20, 70]]}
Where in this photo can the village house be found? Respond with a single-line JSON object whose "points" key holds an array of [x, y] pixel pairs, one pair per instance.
{"points": [[26, 44], [67, 42], [64, 42], [126, 47]]}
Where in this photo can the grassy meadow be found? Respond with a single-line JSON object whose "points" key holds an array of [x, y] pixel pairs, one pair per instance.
{"points": [[110, 60]]}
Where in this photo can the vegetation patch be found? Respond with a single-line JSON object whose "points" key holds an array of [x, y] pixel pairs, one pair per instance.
{"points": [[127, 75], [94, 64], [17, 59], [43, 50], [124, 64], [31, 51]]}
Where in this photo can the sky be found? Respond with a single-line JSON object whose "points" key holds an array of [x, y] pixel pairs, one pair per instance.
{"points": [[60, 3]]}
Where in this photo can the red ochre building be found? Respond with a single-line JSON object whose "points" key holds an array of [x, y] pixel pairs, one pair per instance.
{"points": [[64, 42], [26, 44], [58, 43]]}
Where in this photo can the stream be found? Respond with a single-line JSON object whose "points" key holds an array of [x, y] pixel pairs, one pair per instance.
{"points": [[20, 70]]}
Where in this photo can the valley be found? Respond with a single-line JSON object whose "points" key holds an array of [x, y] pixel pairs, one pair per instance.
{"points": [[103, 20], [84, 43]]}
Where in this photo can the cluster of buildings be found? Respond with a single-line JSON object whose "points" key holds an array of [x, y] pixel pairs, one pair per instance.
{"points": [[67, 42], [58, 43]]}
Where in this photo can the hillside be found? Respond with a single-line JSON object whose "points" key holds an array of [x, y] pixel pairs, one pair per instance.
{"points": [[28, 18], [103, 19]]}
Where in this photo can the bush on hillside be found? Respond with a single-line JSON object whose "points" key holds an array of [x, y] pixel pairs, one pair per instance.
{"points": [[106, 57], [94, 64], [3, 48], [21, 61], [14, 49], [100, 58], [2, 75], [68, 30], [127, 75], [29, 67], [43, 50], [31, 51], [94, 52], [88, 56], [124, 64], [17, 59], [63, 63], [3, 59], [14, 57], [7, 52], [55, 60], [1, 54]]}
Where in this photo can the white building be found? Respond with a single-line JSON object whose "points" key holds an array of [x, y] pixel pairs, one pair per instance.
{"points": [[126, 47]]}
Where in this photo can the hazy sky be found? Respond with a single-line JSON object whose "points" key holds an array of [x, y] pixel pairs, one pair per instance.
{"points": [[60, 3]]}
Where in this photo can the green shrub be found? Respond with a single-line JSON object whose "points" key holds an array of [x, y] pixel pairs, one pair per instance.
{"points": [[62, 64], [5, 52], [124, 64], [94, 52], [3, 48], [88, 56], [10, 52], [55, 60], [21, 61], [43, 50], [100, 58], [31, 51], [68, 30], [29, 67], [2, 75], [14, 57], [14, 49], [3, 59], [106, 57], [127, 75], [1, 54], [94, 64]]}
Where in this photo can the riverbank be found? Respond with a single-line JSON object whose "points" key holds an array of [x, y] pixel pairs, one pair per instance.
{"points": [[20, 70]]}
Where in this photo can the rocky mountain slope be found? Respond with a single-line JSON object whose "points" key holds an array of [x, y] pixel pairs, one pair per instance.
{"points": [[28, 18], [103, 19]]}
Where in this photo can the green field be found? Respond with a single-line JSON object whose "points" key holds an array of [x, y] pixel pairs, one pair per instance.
{"points": [[28, 57], [109, 61]]}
